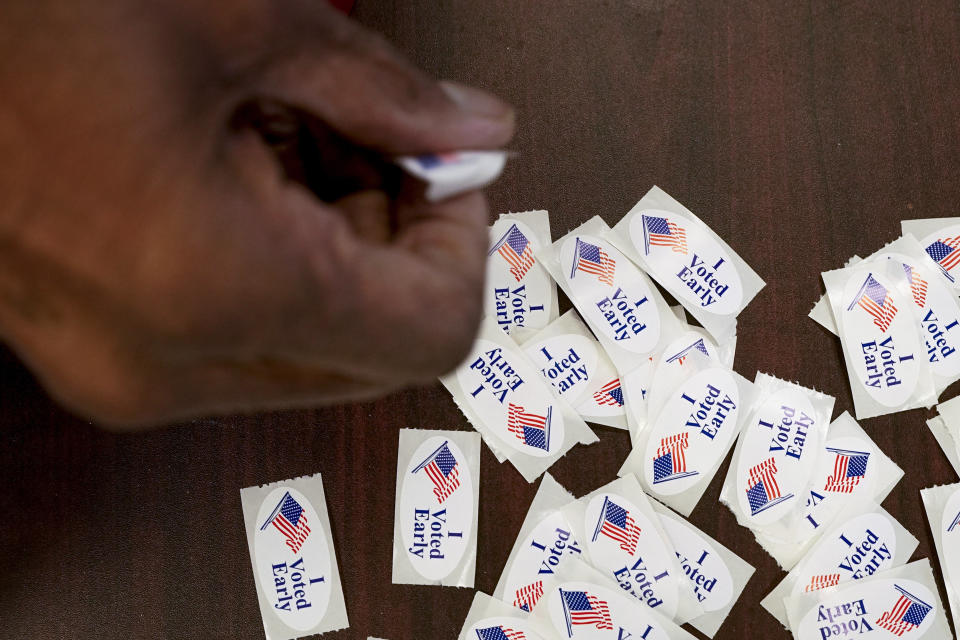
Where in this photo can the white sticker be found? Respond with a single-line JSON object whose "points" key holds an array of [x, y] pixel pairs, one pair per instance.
{"points": [[509, 403], [545, 543], [288, 533], [901, 602], [491, 619], [874, 308], [576, 366], [436, 511], [455, 172], [616, 299], [716, 575], [942, 505], [688, 259], [867, 542], [519, 292]]}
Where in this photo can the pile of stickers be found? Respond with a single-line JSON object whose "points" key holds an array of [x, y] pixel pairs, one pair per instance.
{"points": [[623, 562]]}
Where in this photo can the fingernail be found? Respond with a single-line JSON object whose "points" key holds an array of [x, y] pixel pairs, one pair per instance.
{"points": [[477, 102]]}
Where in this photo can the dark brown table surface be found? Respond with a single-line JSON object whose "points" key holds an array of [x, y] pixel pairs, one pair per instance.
{"points": [[802, 132]]}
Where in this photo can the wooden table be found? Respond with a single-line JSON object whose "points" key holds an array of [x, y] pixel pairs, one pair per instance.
{"points": [[802, 133]]}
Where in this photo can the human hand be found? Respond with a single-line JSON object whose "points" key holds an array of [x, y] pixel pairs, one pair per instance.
{"points": [[156, 262]]}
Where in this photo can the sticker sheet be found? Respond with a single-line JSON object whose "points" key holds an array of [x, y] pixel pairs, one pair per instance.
{"points": [[490, 619], [615, 298], [942, 505], [716, 574], [518, 291], [939, 238], [575, 365], [776, 456], [507, 400], [544, 544], [622, 538], [900, 602], [867, 541], [293, 558], [435, 513], [689, 260]]}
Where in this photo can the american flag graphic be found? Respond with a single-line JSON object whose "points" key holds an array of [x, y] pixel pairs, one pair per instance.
{"points": [[433, 160], [580, 607], [822, 582], [290, 520], [610, 394], [443, 470], [762, 489], [671, 460], [954, 524], [527, 597], [531, 429], [905, 614], [589, 258], [616, 523], [516, 249], [681, 355], [499, 632], [660, 232], [918, 286], [875, 300], [849, 468], [944, 253]]}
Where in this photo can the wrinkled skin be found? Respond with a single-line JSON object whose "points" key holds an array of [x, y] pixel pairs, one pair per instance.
{"points": [[156, 259]]}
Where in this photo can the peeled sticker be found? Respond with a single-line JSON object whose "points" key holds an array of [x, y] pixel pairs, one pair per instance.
{"points": [[886, 362], [623, 539], [851, 471], [576, 366], [900, 602], [491, 619], [455, 172], [544, 544], [940, 240], [583, 605], [519, 293], [688, 259], [777, 454], [435, 517], [294, 564], [942, 505], [867, 541], [716, 574], [507, 400], [691, 426], [614, 297]]}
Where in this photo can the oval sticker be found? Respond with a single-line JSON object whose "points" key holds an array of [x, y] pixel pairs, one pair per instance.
{"points": [[881, 335], [943, 247], [512, 399], [500, 628], [692, 431], [858, 549], [293, 558], [611, 293], [702, 565], [540, 556], [950, 537], [772, 471], [625, 543], [583, 610], [519, 291], [881, 608], [681, 252], [436, 507], [567, 362]]}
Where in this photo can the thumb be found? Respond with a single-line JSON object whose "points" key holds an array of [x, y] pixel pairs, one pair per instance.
{"points": [[356, 83]]}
